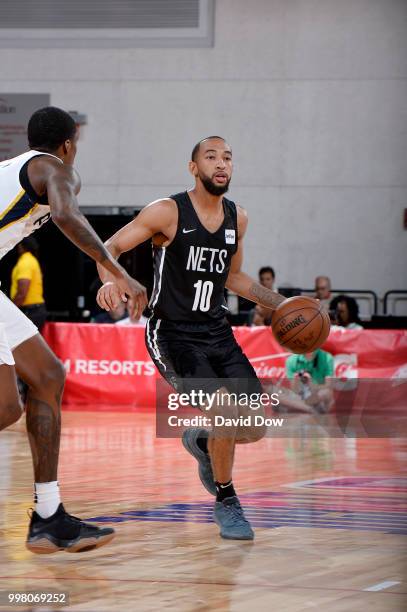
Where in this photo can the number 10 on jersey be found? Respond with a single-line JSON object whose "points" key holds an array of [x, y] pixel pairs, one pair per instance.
{"points": [[203, 294]]}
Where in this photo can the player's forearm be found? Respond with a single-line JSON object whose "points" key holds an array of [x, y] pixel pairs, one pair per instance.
{"points": [[246, 287], [104, 275], [79, 231]]}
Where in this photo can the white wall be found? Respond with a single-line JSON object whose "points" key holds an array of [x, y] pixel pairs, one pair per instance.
{"points": [[312, 96]]}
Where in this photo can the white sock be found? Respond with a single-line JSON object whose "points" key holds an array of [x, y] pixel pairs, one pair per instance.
{"points": [[46, 498]]}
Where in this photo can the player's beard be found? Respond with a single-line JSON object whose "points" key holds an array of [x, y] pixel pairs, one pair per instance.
{"points": [[216, 190]]}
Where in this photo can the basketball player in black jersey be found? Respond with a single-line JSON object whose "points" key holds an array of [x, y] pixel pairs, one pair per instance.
{"points": [[197, 240]]}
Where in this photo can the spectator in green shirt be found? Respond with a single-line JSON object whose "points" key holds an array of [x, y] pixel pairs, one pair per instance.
{"points": [[309, 375]]}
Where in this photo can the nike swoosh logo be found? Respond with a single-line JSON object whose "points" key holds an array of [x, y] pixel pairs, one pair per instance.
{"points": [[185, 231]]}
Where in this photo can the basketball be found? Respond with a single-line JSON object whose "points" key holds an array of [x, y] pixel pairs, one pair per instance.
{"points": [[300, 324]]}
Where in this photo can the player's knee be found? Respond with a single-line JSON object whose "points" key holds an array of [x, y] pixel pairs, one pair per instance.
{"points": [[225, 421], [253, 426], [50, 378], [10, 412], [252, 434], [56, 375], [258, 432], [226, 411]]}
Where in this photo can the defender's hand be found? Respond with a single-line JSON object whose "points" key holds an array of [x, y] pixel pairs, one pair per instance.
{"points": [[135, 294], [134, 311]]}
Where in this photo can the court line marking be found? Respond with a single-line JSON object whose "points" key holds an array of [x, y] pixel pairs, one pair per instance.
{"points": [[375, 478], [382, 585], [203, 582], [311, 510], [301, 483], [280, 524], [272, 514]]}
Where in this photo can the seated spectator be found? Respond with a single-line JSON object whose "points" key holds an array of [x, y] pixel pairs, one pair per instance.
{"points": [[267, 277], [346, 312], [323, 290], [309, 375]]}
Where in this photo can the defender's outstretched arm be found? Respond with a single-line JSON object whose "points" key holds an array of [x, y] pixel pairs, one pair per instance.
{"points": [[62, 185]]}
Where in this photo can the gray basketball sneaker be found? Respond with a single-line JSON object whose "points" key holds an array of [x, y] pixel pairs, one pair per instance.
{"points": [[189, 440], [228, 514]]}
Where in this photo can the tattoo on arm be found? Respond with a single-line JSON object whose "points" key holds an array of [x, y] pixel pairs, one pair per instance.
{"points": [[62, 187], [85, 237], [265, 297]]}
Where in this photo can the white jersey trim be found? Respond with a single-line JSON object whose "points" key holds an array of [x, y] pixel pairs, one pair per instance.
{"points": [[153, 342], [158, 281]]}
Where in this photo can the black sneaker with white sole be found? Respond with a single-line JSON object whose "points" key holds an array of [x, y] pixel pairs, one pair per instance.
{"points": [[62, 531]]}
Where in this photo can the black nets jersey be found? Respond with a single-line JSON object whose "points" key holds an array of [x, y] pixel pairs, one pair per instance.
{"points": [[190, 274]]}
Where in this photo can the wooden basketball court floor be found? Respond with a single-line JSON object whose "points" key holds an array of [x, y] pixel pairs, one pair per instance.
{"points": [[329, 516]]}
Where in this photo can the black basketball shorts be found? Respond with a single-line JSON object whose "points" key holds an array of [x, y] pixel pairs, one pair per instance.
{"points": [[194, 356]]}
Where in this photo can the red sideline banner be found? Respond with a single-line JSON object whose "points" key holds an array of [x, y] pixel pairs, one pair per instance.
{"points": [[108, 366]]}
